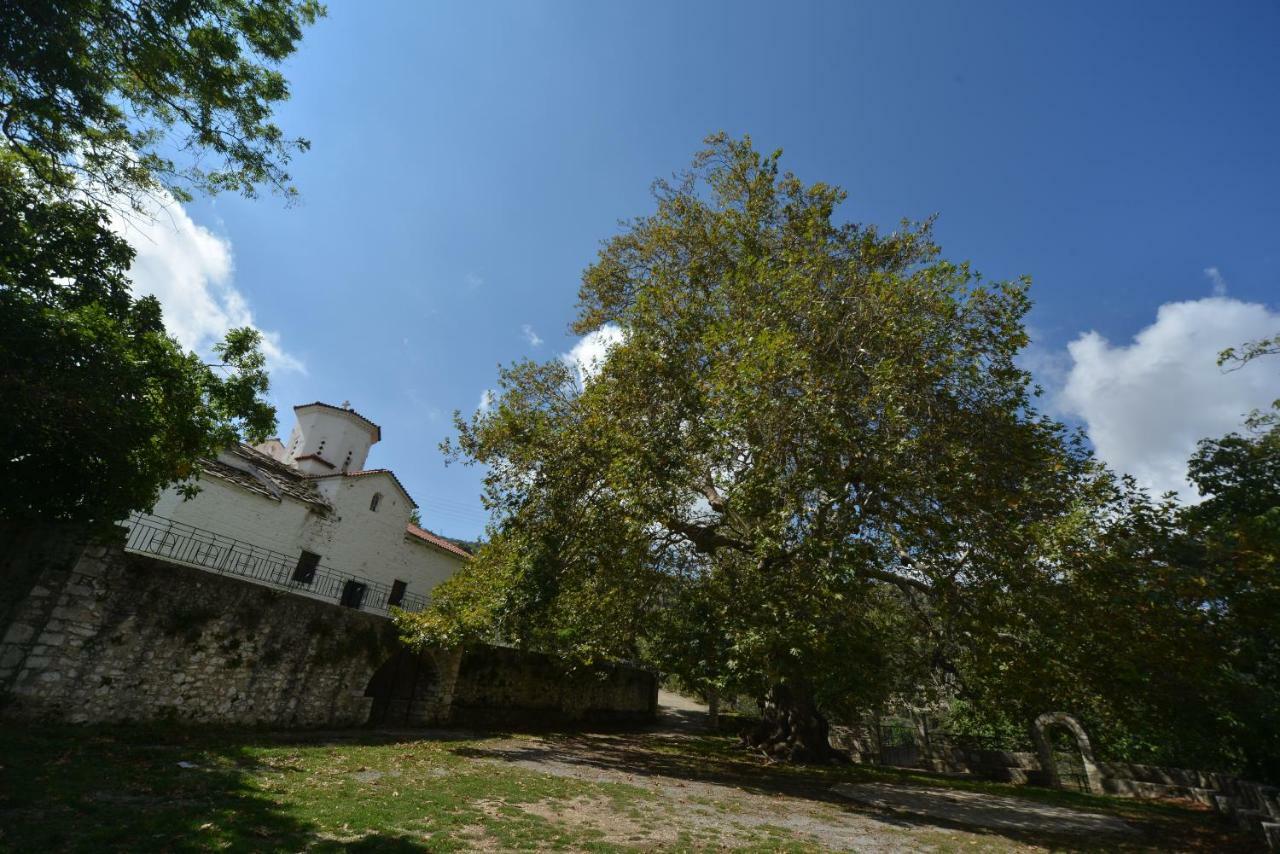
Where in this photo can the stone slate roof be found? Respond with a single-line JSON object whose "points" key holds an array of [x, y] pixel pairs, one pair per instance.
{"points": [[272, 479], [321, 460]]}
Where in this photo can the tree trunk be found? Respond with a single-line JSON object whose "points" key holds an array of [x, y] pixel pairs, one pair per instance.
{"points": [[713, 709], [791, 728]]}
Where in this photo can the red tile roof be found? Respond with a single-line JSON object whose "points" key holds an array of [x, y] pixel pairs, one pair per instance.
{"points": [[441, 542]]}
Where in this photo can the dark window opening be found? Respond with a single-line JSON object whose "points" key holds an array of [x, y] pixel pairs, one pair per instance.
{"points": [[397, 592], [306, 569], [353, 594], [377, 499]]}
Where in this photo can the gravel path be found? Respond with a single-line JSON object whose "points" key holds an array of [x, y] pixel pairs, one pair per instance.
{"points": [[979, 809], [719, 813], [723, 806]]}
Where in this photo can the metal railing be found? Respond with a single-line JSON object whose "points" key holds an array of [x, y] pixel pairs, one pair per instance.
{"points": [[191, 546]]}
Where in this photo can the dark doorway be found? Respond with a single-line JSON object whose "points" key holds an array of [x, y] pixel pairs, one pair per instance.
{"points": [[403, 690], [353, 594], [1067, 759], [305, 571]]}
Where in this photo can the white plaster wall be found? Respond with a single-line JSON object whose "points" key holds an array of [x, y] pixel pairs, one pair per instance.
{"points": [[374, 543], [337, 432], [273, 448], [233, 512], [351, 539]]}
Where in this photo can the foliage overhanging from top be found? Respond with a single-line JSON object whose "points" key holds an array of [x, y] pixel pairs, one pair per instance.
{"points": [[120, 105], [119, 98], [99, 407]]}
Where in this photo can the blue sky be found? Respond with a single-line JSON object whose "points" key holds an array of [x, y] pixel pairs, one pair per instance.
{"points": [[468, 158]]}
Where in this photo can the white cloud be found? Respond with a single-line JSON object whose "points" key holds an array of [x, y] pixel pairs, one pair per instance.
{"points": [[473, 280], [189, 269], [1219, 283], [1147, 403], [586, 359], [1049, 367], [531, 336], [588, 355]]}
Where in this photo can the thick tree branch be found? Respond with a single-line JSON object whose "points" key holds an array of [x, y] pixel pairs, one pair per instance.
{"points": [[706, 539], [901, 581]]}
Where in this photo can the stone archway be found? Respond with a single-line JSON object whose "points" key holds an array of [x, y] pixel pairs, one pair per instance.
{"points": [[413, 688], [401, 689], [1044, 749]]}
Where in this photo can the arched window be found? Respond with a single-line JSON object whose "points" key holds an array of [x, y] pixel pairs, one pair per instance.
{"points": [[377, 499]]}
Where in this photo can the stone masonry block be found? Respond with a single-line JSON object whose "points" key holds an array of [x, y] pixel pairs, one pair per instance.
{"points": [[19, 633], [146, 663], [11, 657]]}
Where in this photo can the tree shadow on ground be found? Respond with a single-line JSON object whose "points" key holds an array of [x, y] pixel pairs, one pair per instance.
{"points": [[681, 720], [185, 789], [660, 756], [130, 789]]}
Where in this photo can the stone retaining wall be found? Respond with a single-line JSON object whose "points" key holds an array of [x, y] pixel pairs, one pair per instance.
{"points": [[93, 634], [117, 637], [506, 687]]}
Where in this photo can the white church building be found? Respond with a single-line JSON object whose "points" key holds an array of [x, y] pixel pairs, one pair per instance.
{"points": [[306, 516]]}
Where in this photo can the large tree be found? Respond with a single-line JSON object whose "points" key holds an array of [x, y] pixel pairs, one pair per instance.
{"points": [[1154, 622], [816, 428], [1235, 547], [99, 408], [122, 104]]}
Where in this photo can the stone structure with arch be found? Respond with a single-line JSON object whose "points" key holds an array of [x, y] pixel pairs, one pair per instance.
{"points": [[1044, 749]]}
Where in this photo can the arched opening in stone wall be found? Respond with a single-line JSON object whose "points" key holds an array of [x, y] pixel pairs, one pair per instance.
{"points": [[1072, 764], [405, 690], [1068, 763]]}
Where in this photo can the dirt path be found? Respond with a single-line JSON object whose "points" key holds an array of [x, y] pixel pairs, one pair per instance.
{"points": [[701, 799], [981, 809], [721, 813], [677, 713]]}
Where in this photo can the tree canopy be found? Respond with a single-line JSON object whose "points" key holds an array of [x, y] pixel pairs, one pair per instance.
{"points": [[99, 408], [1157, 624], [118, 104], [117, 98], [810, 437]]}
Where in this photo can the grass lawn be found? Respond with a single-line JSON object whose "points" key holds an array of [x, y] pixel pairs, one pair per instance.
{"points": [[166, 789]]}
